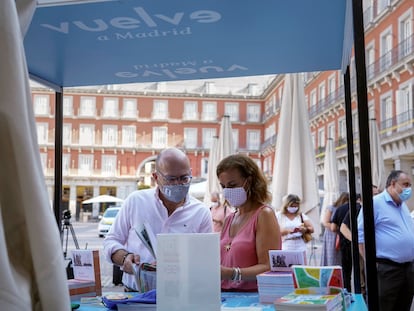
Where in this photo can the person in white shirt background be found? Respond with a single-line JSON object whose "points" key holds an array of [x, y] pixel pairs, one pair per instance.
{"points": [[293, 224]]}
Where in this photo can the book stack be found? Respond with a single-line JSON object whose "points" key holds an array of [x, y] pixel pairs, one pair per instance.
{"points": [[273, 285], [312, 300], [279, 281]]}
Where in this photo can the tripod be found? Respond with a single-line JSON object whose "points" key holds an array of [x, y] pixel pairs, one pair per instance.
{"points": [[67, 226]]}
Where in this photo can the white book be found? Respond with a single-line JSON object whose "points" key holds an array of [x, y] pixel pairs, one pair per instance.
{"points": [[282, 260], [147, 236]]}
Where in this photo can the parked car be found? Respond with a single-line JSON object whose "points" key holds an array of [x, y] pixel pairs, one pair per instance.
{"points": [[107, 220]]}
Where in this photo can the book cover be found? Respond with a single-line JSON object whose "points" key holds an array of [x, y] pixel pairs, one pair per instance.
{"points": [[86, 272], [148, 238], [309, 301], [282, 260], [317, 276]]}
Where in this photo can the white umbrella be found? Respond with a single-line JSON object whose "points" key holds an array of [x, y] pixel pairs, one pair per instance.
{"points": [[32, 267], [212, 183], [330, 176], [294, 170], [225, 147], [103, 199], [377, 156]]}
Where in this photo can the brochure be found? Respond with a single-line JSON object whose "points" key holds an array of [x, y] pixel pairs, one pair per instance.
{"points": [[147, 237], [283, 260]]}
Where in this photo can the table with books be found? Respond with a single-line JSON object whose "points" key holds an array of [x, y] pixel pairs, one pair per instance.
{"points": [[230, 300]]}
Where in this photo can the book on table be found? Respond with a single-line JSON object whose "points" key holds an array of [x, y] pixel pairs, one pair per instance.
{"points": [[283, 260], [318, 299], [147, 237], [317, 276]]}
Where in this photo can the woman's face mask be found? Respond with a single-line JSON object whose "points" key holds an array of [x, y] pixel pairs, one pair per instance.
{"points": [[292, 209], [235, 196]]}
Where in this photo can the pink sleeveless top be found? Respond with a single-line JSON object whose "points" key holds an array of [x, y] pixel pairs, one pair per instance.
{"points": [[239, 251]]}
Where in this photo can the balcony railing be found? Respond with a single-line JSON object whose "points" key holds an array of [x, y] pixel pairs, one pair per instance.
{"points": [[397, 124]]}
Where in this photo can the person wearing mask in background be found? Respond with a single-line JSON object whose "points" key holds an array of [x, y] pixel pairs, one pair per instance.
{"points": [[344, 245], [293, 224], [394, 238], [166, 209], [219, 211], [345, 230], [252, 230], [331, 256]]}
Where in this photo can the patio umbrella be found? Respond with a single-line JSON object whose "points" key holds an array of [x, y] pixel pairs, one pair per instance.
{"points": [[224, 148], [294, 169], [212, 184], [225, 145], [103, 199], [32, 269], [330, 176], [377, 156]]}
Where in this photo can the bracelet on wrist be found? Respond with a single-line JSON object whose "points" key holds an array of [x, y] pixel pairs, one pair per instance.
{"points": [[125, 256]]}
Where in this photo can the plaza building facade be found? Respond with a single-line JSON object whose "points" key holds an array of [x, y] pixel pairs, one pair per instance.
{"points": [[112, 134]]}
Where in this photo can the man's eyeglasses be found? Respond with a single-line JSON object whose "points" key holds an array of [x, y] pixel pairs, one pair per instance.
{"points": [[183, 180]]}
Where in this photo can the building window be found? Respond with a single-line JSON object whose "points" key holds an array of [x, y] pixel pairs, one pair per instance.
{"points": [[41, 105], [209, 111], [382, 5], [208, 134], [86, 134], [160, 109], [386, 50], [322, 93], [232, 110], [190, 110], [66, 164], [108, 165], [109, 135], [406, 36], [342, 130], [67, 134], [313, 99], [404, 107], [332, 86], [370, 55], [253, 139], [159, 137], [204, 167], [235, 133], [321, 138], [129, 134], [42, 133], [130, 108], [386, 114], [85, 165], [87, 107], [331, 130], [253, 113], [67, 106], [190, 138], [110, 108]]}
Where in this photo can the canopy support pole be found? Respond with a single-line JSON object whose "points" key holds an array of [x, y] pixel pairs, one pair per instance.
{"points": [[365, 162], [57, 202], [351, 181]]}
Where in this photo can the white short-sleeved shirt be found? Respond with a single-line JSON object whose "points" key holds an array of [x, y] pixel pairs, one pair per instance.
{"points": [[145, 206]]}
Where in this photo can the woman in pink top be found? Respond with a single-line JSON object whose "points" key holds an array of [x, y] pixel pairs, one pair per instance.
{"points": [[252, 230]]}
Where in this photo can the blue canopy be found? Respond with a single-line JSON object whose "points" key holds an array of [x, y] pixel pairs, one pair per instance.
{"points": [[115, 42]]}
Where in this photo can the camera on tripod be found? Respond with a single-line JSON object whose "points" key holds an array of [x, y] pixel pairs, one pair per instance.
{"points": [[67, 215]]}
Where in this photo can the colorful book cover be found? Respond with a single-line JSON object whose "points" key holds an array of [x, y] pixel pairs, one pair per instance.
{"points": [[298, 301], [317, 276]]}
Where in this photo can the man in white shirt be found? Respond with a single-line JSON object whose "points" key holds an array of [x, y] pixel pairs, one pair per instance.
{"points": [[166, 209]]}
